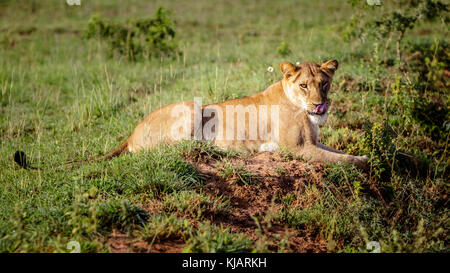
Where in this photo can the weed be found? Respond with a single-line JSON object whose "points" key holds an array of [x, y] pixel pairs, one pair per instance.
{"points": [[208, 238], [238, 174], [281, 171], [285, 154], [163, 227]]}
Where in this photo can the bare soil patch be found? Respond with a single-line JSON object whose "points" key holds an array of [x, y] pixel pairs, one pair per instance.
{"points": [[275, 178]]}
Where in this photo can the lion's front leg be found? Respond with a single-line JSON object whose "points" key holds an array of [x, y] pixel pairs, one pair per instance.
{"points": [[316, 153], [325, 147]]}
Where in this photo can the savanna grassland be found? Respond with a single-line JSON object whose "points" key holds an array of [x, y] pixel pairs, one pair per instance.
{"points": [[72, 88]]}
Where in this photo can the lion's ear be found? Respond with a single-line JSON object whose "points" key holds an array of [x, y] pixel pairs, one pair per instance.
{"points": [[287, 69], [331, 66]]}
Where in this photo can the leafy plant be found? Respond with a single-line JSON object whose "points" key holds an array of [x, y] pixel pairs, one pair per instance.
{"points": [[137, 39], [393, 24], [436, 57], [433, 117], [377, 143], [283, 49]]}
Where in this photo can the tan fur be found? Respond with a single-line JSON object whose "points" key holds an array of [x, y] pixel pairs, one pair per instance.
{"points": [[298, 130]]}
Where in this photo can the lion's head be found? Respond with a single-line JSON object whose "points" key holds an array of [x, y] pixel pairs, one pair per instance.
{"points": [[307, 86]]}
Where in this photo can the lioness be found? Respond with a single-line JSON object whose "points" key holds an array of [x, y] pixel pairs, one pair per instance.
{"points": [[286, 114], [297, 105]]}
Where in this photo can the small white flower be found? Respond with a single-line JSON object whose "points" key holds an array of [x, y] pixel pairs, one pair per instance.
{"points": [[297, 63], [270, 69]]}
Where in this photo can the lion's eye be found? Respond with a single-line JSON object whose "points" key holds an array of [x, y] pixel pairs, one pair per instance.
{"points": [[325, 84], [302, 85]]}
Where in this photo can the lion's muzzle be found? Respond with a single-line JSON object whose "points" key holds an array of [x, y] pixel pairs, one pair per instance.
{"points": [[321, 109]]}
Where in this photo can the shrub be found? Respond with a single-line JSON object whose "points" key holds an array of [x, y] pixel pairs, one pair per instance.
{"points": [[377, 143], [433, 117], [435, 56], [137, 39], [426, 109], [283, 49], [394, 23]]}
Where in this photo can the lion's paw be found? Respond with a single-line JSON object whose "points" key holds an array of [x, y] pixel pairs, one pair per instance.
{"points": [[361, 161]]}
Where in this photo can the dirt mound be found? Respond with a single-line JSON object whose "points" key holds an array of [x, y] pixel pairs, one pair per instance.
{"points": [[122, 243], [272, 179]]}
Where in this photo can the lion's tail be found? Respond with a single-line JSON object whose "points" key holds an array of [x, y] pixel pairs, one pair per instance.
{"points": [[21, 159], [123, 148]]}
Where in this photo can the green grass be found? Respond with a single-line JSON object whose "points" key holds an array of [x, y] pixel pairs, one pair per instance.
{"points": [[63, 99], [195, 204], [211, 239]]}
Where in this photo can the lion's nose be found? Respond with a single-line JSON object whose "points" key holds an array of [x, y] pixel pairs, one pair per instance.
{"points": [[321, 108]]}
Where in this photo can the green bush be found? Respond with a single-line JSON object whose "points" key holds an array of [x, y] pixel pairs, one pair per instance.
{"points": [[433, 117], [377, 144], [283, 49], [400, 16], [436, 57], [137, 39]]}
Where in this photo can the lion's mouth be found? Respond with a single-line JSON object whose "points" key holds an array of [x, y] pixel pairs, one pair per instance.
{"points": [[315, 114], [320, 110]]}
